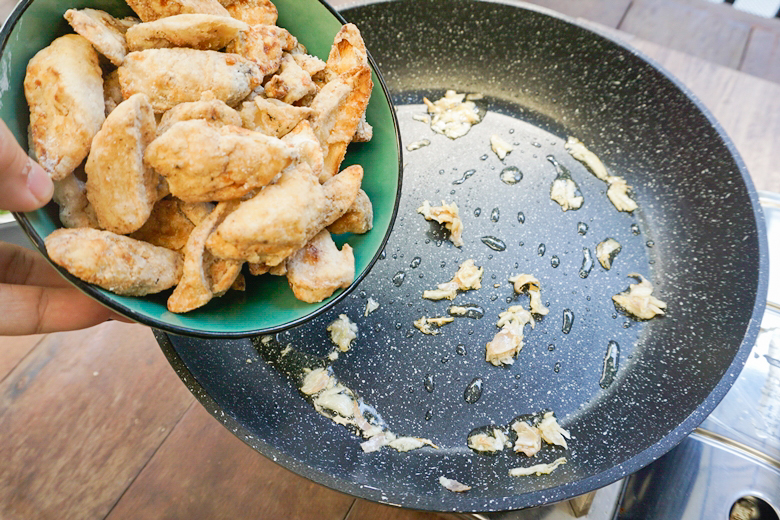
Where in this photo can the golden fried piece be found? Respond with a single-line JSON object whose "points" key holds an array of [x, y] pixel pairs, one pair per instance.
{"points": [[311, 64], [204, 163], [112, 92], [358, 219], [114, 262], [64, 89], [340, 104], [104, 32], [271, 116], [166, 227], [284, 216], [173, 76], [71, 196], [264, 45], [121, 188], [196, 212], [291, 83], [207, 32], [364, 131], [306, 145], [195, 287], [150, 10], [253, 12], [214, 111], [319, 269], [348, 52]]}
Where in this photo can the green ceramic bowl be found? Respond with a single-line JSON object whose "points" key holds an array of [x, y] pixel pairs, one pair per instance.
{"points": [[268, 304]]}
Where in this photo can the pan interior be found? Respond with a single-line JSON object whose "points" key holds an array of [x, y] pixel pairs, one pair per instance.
{"points": [[694, 236]]}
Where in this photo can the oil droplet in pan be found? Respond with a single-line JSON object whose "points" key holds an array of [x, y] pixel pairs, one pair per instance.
{"points": [[398, 278], [555, 261], [582, 228], [568, 321], [541, 249], [473, 391], [428, 383], [496, 244], [521, 217], [495, 215], [587, 263], [635, 229], [415, 262], [611, 360], [466, 175], [511, 175], [477, 212]]}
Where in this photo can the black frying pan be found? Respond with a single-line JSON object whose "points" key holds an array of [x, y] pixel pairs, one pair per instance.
{"points": [[701, 240]]}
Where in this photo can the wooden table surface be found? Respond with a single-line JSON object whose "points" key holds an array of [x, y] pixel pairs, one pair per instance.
{"points": [[95, 424]]}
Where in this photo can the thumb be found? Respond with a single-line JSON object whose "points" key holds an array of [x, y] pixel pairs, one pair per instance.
{"points": [[24, 185]]}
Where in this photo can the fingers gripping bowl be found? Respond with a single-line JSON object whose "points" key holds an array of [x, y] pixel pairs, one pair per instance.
{"points": [[267, 304]]}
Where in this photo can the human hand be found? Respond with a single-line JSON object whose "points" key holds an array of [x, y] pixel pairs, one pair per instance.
{"points": [[34, 298]]}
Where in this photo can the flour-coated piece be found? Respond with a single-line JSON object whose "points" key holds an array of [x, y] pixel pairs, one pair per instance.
{"points": [[173, 76], [64, 89], [264, 45], [195, 286], [271, 116], [121, 188], [213, 111], [114, 262], [205, 163], [196, 31], [284, 216], [291, 83], [319, 269], [112, 91], [306, 146], [104, 32], [167, 226], [358, 219], [150, 10], [253, 12], [70, 194]]}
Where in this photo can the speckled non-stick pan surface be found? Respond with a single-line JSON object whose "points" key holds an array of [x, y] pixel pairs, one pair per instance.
{"points": [[697, 235]]}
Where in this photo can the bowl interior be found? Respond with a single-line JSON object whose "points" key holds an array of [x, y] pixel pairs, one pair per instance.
{"points": [[268, 303]]}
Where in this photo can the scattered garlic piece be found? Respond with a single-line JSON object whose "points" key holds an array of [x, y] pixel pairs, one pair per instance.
{"points": [[342, 332], [453, 485], [500, 147], [639, 300], [538, 469], [446, 214], [606, 252]]}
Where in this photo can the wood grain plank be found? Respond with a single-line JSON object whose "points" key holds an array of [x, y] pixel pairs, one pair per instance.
{"points": [[364, 510], [605, 12], [202, 471], [688, 28], [80, 416], [762, 56], [13, 349]]}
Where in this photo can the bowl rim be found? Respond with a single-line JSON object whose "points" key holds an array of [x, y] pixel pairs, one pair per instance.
{"points": [[140, 317]]}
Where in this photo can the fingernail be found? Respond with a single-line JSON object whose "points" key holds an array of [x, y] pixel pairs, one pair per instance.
{"points": [[38, 182]]}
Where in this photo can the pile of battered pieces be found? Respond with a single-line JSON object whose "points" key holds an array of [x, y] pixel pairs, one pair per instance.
{"points": [[197, 139]]}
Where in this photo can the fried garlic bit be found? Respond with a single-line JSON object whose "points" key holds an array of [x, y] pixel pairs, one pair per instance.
{"points": [[528, 440], [537, 469], [64, 89], [453, 485], [551, 431], [446, 214], [452, 116], [342, 332], [618, 188], [500, 147], [639, 300], [371, 306], [468, 277], [606, 252], [424, 324], [114, 262], [528, 282], [505, 345], [488, 442], [565, 192], [338, 403]]}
